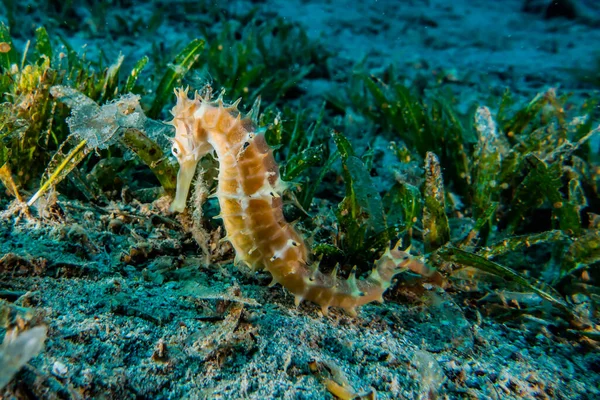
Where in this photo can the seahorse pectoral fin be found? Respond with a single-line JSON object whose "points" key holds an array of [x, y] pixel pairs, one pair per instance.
{"points": [[184, 180]]}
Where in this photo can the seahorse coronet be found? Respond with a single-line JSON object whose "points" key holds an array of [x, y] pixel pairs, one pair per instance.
{"points": [[249, 193]]}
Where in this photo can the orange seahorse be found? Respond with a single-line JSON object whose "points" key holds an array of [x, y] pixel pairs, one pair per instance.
{"points": [[249, 188]]}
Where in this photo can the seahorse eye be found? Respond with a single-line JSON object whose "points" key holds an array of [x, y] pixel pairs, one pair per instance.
{"points": [[175, 149]]}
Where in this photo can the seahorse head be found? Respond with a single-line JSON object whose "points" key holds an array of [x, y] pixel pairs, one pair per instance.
{"points": [[189, 145]]}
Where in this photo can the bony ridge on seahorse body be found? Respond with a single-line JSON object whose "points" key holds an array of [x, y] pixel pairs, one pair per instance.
{"points": [[249, 188]]}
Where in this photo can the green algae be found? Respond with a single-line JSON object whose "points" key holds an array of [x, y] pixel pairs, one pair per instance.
{"points": [[435, 220], [174, 74]]}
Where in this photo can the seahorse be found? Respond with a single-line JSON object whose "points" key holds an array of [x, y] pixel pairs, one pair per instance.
{"points": [[249, 193]]}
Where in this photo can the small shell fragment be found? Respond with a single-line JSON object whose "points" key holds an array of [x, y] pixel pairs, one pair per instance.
{"points": [[59, 369]]}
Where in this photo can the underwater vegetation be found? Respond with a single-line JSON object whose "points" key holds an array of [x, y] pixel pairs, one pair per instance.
{"points": [[498, 207], [523, 181]]}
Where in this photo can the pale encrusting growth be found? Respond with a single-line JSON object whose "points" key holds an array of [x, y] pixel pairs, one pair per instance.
{"points": [[249, 189]]}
